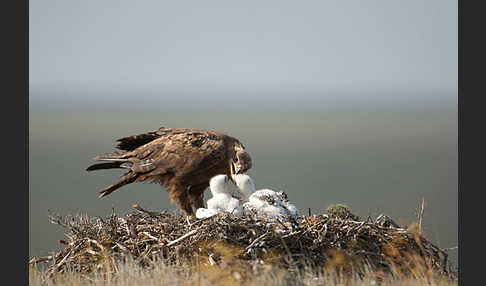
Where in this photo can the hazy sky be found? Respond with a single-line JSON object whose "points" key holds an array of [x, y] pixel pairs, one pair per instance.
{"points": [[234, 45]]}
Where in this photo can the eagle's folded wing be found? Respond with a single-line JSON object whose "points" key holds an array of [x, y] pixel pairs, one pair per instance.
{"points": [[179, 151]]}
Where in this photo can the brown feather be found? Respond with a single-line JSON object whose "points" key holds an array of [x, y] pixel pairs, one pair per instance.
{"points": [[127, 179], [132, 142], [99, 166]]}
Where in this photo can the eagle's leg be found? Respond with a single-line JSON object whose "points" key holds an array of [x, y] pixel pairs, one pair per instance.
{"points": [[182, 199], [199, 201], [196, 195], [185, 205]]}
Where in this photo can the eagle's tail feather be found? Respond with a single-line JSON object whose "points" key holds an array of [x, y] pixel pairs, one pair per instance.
{"points": [[115, 156], [114, 160], [109, 165], [127, 179]]}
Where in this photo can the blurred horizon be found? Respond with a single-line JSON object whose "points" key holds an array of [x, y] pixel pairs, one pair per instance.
{"points": [[99, 99]]}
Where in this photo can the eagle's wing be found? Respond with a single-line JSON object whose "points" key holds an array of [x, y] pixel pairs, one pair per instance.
{"points": [[179, 152], [183, 152], [130, 143]]}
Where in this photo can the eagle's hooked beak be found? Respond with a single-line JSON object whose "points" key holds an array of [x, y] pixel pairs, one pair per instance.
{"points": [[232, 179], [232, 167], [234, 171]]}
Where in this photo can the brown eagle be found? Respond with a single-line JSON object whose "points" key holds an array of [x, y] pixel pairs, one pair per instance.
{"points": [[179, 159]]}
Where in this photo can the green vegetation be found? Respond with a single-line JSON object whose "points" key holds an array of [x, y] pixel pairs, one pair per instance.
{"points": [[341, 211]]}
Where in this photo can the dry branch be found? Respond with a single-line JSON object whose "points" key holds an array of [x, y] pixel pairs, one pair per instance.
{"points": [[192, 232]]}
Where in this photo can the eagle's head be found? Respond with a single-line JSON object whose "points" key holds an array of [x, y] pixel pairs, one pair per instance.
{"points": [[241, 162]]}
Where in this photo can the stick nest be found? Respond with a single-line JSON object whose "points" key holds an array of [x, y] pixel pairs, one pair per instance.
{"points": [[327, 241]]}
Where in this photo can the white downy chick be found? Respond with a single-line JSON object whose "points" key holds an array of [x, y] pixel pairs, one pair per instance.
{"points": [[264, 202], [222, 201]]}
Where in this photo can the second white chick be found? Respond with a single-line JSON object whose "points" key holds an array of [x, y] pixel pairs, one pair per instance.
{"points": [[264, 202]]}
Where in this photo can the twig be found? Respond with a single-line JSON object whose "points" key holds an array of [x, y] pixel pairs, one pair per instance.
{"points": [[192, 232], [150, 236], [421, 216], [286, 248], [142, 210], [450, 248], [211, 259], [63, 260], [188, 221], [35, 260], [255, 241]]}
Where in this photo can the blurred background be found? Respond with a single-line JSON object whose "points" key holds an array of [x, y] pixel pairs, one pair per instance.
{"points": [[350, 102]]}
